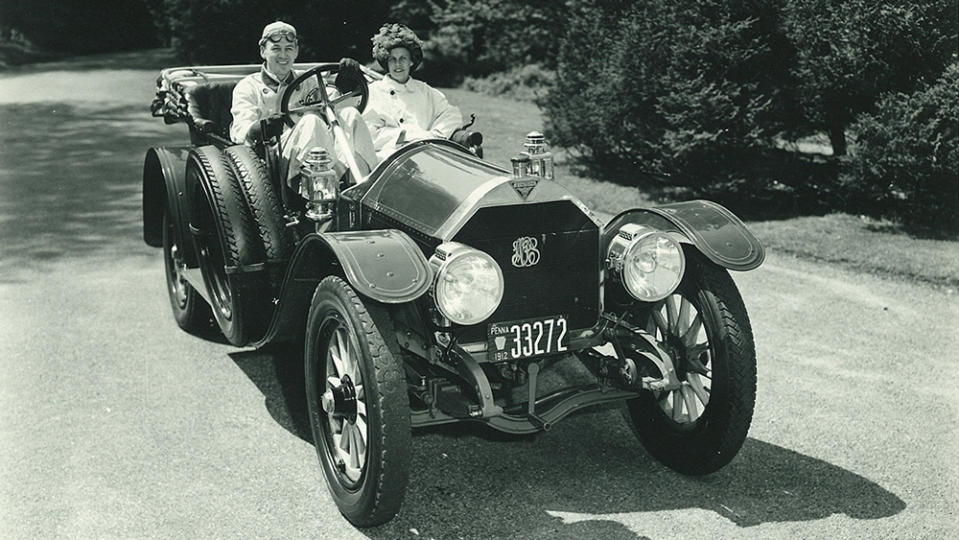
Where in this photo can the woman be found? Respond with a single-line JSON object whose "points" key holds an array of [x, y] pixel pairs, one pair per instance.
{"points": [[401, 108]]}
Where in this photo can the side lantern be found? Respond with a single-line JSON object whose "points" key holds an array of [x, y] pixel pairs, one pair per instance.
{"points": [[647, 262], [320, 185]]}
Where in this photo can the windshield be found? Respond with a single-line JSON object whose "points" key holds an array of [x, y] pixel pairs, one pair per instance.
{"points": [[425, 186]]}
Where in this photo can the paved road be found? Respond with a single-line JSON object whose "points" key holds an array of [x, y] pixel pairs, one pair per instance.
{"points": [[116, 424], [113, 423]]}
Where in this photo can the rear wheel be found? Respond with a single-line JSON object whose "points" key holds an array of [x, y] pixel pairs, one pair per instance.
{"points": [[190, 311], [358, 406], [226, 244], [699, 427]]}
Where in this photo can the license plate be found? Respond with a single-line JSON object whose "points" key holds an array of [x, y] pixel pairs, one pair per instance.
{"points": [[526, 338]]}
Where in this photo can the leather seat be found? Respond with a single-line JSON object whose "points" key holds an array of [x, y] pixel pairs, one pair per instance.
{"points": [[210, 107]]}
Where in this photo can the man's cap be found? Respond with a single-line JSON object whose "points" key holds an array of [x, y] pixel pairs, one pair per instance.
{"points": [[276, 28]]}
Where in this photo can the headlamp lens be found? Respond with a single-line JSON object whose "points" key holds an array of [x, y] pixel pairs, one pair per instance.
{"points": [[653, 267], [648, 263], [468, 286]]}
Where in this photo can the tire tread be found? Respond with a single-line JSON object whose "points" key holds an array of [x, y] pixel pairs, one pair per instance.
{"points": [[265, 208], [393, 406], [731, 406]]}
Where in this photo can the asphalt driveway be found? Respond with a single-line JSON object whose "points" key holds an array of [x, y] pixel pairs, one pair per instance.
{"points": [[113, 423]]}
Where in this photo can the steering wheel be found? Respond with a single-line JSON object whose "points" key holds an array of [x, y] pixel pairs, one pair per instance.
{"points": [[320, 102]]}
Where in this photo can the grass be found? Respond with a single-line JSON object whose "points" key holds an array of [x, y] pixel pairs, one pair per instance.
{"points": [[864, 244], [857, 243]]}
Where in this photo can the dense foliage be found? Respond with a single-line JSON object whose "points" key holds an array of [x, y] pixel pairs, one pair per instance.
{"points": [[72, 26], [477, 38], [226, 31], [849, 52], [707, 94], [906, 157], [687, 91]]}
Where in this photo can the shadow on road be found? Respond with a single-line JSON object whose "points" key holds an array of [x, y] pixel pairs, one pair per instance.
{"points": [[462, 480], [70, 181], [277, 370]]}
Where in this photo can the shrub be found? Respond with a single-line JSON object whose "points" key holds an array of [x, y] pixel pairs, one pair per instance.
{"points": [[684, 90], [905, 163], [525, 83], [479, 37], [227, 31], [76, 27], [850, 52]]}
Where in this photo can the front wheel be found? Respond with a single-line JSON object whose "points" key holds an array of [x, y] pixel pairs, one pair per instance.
{"points": [[358, 406], [699, 427]]}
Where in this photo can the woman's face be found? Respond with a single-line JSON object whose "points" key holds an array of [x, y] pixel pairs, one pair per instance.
{"points": [[399, 64]]}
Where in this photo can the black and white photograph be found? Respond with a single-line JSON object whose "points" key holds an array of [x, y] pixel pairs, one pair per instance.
{"points": [[486, 269]]}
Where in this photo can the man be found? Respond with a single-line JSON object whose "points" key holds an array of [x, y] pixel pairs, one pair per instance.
{"points": [[257, 96], [401, 108]]}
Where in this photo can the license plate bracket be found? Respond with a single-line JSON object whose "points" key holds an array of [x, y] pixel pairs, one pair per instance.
{"points": [[527, 338]]}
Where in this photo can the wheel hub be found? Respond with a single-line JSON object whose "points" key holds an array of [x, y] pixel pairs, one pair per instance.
{"points": [[339, 400], [678, 352], [178, 267]]}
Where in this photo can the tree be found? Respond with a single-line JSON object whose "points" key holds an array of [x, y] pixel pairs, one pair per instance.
{"points": [[691, 91], [849, 52], [906, 160], [77, 27], [226, 31], [480, 37]]}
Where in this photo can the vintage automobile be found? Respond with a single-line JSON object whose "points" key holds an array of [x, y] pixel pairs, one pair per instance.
{"points": [[442, 288]]}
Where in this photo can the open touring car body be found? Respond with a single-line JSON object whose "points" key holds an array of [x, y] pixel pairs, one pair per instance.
{"points": [[391, 254]]}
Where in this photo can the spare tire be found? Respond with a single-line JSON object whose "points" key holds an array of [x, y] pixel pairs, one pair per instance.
{"points": [[227, 246], [261, 196]]}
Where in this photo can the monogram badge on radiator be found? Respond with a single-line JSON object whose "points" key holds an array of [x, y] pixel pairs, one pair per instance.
{"points": [[525, 252]]}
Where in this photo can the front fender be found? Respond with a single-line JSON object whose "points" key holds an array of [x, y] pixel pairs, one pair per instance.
{"points": [[715, 231], [385, 265]]}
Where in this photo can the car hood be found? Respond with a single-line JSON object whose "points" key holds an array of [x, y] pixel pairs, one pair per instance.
{"points": [[434, 186]]}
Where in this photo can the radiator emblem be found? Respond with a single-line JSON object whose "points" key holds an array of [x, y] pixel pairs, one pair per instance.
{"points": [[524, 252], [524, 186]]}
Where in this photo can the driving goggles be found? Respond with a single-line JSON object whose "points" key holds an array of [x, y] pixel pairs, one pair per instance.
{"points": [[275, 37]]}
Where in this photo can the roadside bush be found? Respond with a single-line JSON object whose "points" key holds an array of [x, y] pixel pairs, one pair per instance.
{"points": [[525, 83], [850, 52], [478, 37], [686, 91], [77, 27], [905, 162], [227, 31]]}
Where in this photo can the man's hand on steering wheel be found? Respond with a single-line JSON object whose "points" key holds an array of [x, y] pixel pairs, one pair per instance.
{"points": [[349, 76], [352, 76]]}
